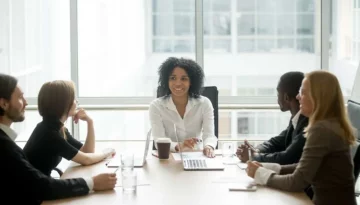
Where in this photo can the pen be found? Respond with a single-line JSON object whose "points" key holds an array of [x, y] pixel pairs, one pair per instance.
{"points": [[155, 155]]}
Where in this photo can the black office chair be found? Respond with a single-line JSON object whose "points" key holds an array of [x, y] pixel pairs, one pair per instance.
{"points": [[212, 93], [353, 109]]}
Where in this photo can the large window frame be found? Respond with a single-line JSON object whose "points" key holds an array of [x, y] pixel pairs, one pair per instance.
{"points": [[225, 102]]}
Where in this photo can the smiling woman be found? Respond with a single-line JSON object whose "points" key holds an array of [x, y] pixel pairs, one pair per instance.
{"points": [[180, 80]]}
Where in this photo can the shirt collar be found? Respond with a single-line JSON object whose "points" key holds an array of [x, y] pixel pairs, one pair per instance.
{"points": [[169, 103], [295, 119], [8, 131]]}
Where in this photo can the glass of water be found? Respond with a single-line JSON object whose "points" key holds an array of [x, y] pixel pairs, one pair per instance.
{"points": [[129, 181], [127, 162], [227, 150]]}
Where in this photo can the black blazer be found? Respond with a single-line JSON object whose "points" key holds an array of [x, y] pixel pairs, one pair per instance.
{"points": [[23, 184], [285, 148]]}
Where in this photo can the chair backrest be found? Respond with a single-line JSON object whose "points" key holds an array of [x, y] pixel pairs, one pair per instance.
{"points": [[210, 92], [353, 109], [357, 163]]}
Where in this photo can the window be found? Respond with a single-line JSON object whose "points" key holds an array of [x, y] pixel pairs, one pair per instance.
{"points": [[117, 39], [260, 125], [117, 128], [276, 25], [217, 25], [173, 25], [248, 45], [31, 47], [344, 43], [265, 39]]}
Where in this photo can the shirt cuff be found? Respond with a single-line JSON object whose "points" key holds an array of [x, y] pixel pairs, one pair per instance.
{"points": [[90, 183], [210, 142], [262, 175], [272, 166]]}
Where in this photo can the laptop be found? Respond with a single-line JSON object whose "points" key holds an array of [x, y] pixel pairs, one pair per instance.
{"points": [[197, 164], [138, 160]]}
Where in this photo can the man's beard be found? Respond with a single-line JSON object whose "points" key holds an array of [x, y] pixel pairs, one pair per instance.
{"points": [[14, 115]]}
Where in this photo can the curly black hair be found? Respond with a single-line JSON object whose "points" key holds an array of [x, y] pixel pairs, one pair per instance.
{"points": [[194, 71]]}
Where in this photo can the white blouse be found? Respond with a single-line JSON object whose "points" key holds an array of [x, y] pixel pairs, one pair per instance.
{"points": [[198, 121]]}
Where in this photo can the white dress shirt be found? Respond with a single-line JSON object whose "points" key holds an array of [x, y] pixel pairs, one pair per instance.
{"points": [[295, 119], [13, 135], [263, 173], [198, 121]]}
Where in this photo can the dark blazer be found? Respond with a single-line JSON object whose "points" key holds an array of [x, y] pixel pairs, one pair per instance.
{"points": [[285, 148], [23, 184], [326, 164]]}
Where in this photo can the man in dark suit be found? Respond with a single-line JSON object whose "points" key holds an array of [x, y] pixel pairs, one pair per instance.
{"points": [[287, 147], [19, 177]]}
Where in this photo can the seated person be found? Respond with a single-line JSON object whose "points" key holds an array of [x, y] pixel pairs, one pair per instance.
{"points": [[288, 146], [326, 163], [181, 81], [50, 140], [19, 177]]}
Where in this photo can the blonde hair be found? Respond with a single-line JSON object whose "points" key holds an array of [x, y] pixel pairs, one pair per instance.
{"points": [[328, 102]]}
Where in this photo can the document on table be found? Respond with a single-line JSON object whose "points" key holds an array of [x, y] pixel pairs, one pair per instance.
{"points": [[188, 155]]}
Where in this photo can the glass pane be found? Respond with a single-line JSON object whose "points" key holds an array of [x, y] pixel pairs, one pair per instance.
{"points": [[305, 45], [246, 91], [305, 5], [305, 24], [111, 48], [184, 46], [221, 5], [266, 24], [266, 91], [344, 52], [252, 124], [246, 5], [161, 25], [260, 125], [31, 47], [162, 46], [161, 5], [106, 129], [207, 43], [246, 24], [267, 6], [207, 23], [246, 45], [285, 6], [285, 24], [221, 46], [183, 5], [223, 82], [265, 48], [221, 24], [224, 124], [265, 45], [182, 25], [285, 43]]}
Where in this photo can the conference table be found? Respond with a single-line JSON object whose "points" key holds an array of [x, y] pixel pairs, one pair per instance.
{"points": [[164, 182]]}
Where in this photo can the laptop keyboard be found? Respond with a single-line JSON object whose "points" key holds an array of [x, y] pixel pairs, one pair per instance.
{"points": [[195, 163]]}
